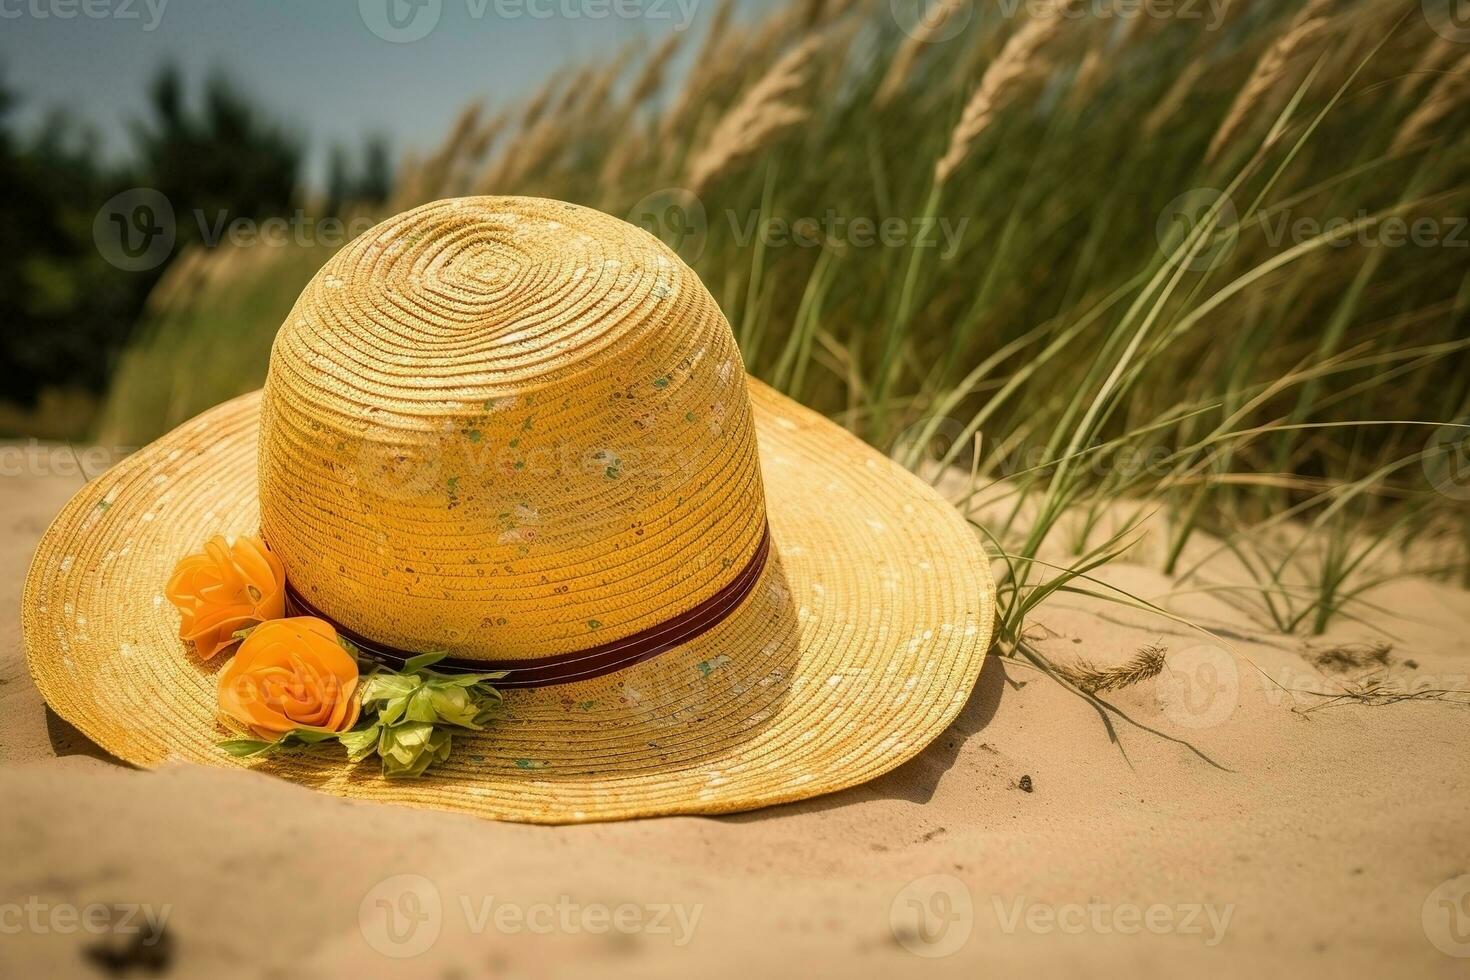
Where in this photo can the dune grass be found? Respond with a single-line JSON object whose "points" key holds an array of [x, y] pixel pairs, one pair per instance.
{"points": [[1215, 269]]}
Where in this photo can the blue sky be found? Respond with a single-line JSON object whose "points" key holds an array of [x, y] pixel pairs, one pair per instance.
{"points": [[317, 64]]}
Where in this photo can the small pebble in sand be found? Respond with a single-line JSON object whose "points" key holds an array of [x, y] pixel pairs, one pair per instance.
{"points": [[1025, 784]]}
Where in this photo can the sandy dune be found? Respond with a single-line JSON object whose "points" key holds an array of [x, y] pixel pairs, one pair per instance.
{"points": [[1314, 842]]}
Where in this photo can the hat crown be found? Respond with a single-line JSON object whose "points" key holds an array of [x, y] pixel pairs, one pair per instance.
{"points": [[507, 428]]}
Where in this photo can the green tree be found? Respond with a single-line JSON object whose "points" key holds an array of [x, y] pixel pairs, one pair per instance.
{"points": [[224, 161], [68, 311]]}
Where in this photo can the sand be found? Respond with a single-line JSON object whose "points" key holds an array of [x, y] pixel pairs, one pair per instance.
{"points": [[1321, 838]]}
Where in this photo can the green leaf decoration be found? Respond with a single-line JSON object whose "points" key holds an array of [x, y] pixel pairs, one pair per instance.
{"points": [[361, 742], [451, 704], [299, 738], [470, 680], [391, 712], [415, 664], [307, 736], [243, 748], [420, 706], [386, 686], [410, 748]]}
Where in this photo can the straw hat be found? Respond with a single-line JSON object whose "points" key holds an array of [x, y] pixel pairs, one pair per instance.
{"points": [[519, 431]]}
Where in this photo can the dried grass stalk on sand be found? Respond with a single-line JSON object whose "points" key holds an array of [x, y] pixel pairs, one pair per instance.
{"points": [[1089, 677]]}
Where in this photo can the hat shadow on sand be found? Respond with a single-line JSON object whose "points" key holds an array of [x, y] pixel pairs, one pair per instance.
{"points": [[67, 740], [916, 780]]}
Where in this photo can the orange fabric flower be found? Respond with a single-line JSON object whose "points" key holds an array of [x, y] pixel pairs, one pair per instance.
{"points": [[227, 588], [288, 674]]}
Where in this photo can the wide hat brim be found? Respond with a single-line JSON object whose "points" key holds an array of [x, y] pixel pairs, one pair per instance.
{"points": [[861, 643]]}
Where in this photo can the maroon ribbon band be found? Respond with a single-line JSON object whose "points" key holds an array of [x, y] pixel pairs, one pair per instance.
{"points": [[580, 665]]}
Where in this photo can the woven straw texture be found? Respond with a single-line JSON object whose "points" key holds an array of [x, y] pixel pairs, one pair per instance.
{"points": [[648, 467]]}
